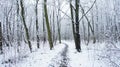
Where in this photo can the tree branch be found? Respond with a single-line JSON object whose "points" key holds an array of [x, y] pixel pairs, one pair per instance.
{"points": [[87, 11]]}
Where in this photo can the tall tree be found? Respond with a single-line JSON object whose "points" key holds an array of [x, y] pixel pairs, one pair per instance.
{"points": [[84, 29], [44, 30], [48, 25], [75, 24], [18, 25], [0, 38], [72, 19], [58, 22], [53, 26], [37, 32], [77, 34], [93, 24], [25, 26]]}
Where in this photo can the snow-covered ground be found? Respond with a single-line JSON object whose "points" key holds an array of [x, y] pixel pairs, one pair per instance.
{"points": [[94, 55], [38, 58], [63, 55]]}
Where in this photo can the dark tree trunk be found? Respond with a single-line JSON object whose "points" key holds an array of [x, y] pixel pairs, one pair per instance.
{"points": [[25, 26], [73, 23], [0, 37], [37, 34], [77, 35], [18, 26], [48, 26]]}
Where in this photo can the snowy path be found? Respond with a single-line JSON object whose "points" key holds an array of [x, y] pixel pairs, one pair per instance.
{"points": [[65, 55], [61, 60], [65, 59]]}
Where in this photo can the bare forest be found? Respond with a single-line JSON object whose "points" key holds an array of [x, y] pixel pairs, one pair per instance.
{"points": [[59, 33]]}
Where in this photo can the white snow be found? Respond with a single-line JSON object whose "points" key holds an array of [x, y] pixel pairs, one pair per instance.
{"points": [[39, 58], [93, 55]]}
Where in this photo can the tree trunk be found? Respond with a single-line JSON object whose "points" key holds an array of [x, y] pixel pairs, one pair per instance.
{"points": [[1, 38], [77, 35], [53, 27], [84, 29], [25, 26], [73, 23], [48, 26], [18, 26], [37, 32], [88, 40], [94, 39], [59, 34], [58, 22], [44, 31]]}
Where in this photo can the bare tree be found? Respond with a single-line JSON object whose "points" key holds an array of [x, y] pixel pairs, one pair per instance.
{"points": [[73, 23], [18, 25], [48, 25], [58, 22], [77, 34], [25, 26], [53, 24], [44, 30], [0, 38], [37, 27]]}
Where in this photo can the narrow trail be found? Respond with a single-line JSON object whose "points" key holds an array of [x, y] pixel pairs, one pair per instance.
{"points": [[61, 60], [65, 58]]}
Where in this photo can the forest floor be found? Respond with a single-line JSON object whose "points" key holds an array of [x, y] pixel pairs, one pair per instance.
{"points": [[65, 55]]}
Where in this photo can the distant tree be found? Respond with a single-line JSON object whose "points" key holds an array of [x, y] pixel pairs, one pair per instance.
{"points": [[37, 32], [44, 30], [18, 24], [58, 22], [93, 27], [84, 29], [53, 28], [7, 12], [1, 38]]}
